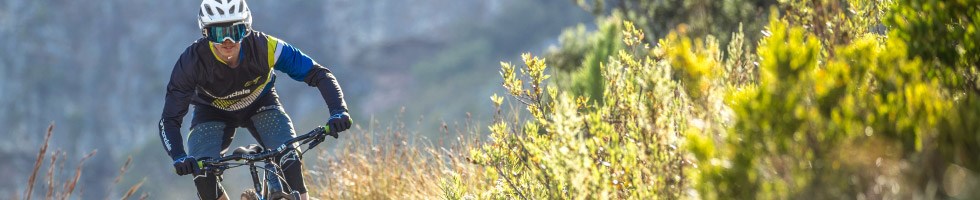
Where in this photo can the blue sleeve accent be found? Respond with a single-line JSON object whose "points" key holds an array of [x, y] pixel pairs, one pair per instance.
{"points": [[293, 62], [301, 67]]}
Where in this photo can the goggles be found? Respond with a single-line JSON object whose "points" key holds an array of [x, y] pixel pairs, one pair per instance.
{"points": [[220, 32]]}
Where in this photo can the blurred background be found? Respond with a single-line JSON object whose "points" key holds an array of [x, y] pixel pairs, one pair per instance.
{"points": [[98, 69], [659, 99]]}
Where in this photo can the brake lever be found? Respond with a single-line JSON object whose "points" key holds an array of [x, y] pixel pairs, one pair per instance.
{"points": [[321, 137]]}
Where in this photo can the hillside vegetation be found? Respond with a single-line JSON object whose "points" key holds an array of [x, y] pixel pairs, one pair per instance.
{"points": [[836, 99]]}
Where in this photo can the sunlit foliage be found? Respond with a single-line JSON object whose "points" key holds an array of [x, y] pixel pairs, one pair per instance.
{"points": [[830, 103]]}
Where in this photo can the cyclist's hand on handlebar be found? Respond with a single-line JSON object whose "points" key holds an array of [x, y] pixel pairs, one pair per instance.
{"points": [[339, 122], [185, 165]]}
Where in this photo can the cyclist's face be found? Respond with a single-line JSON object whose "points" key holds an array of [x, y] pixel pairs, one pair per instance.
{"points": [[228, 48]]}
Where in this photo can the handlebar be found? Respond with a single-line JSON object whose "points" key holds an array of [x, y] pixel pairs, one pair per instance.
{"points": [[314, 138]]}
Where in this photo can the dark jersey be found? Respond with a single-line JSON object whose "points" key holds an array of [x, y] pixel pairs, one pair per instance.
{"points": [[199, 77]]}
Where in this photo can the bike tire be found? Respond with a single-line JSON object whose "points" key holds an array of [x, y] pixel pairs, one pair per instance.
{"points": [[250, 194], [281, 195]]}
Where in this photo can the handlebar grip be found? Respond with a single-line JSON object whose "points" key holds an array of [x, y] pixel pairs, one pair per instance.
{"points": [[199, 170], [326, 130]]}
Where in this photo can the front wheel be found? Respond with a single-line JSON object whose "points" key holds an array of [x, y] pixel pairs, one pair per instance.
{"points": [[250, 194], [281, 195]]}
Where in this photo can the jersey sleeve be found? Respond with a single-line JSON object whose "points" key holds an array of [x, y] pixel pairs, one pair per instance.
{"points": [[289, 60], [300, 67], [180, 91]]}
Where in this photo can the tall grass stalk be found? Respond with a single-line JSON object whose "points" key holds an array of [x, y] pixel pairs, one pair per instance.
{"points": [[37, 163]]}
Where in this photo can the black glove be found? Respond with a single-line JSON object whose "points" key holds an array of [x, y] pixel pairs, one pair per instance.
{"points": [[339, 122], [185, 165]]}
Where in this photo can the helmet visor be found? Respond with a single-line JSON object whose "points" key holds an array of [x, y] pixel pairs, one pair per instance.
{"points": [[219, 33]]}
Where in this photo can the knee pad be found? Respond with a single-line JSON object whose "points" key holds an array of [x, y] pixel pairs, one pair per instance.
{"points": [[292, 168]]}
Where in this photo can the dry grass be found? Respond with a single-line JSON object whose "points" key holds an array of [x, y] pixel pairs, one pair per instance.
{"points": [[54, 159], [393, 163], [68, 186], [37, 163], [132, 190], [372, 163]]}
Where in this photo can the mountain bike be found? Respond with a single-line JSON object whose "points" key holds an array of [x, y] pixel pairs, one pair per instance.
{"points": [[271, 184]]}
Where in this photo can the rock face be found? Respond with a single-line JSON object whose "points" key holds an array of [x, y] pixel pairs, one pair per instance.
{"points": [[357, 27], [385, 38]]}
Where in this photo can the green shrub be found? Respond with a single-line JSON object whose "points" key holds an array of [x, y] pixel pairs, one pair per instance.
{"points": [[571, 147], [699, 18], [581, 55], [944, 34], [821, 126], [855, 111]]}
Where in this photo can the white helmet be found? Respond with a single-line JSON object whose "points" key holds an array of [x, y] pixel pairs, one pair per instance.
{"points": [[222, 11]]}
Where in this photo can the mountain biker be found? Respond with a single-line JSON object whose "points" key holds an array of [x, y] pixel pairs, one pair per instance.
{"points": [[228, 76]]}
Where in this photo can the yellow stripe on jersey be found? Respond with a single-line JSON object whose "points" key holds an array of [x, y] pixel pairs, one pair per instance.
{"points": [[275, 48], [272, 44]]}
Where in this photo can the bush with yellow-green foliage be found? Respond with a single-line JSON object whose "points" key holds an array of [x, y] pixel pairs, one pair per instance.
{"points": [[862, 120], [859, 110], [626, 146]]}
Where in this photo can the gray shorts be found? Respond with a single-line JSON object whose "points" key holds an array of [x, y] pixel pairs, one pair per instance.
{"points": [[271, 127]]}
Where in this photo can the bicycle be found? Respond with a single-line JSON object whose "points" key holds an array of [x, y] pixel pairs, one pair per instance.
{"points": [[273, 185]]}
